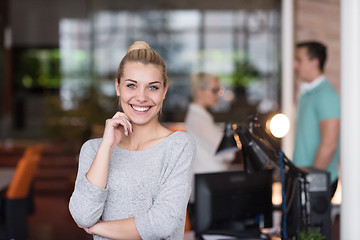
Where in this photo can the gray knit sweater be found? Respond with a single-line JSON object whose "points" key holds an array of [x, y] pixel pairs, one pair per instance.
{"points": [[152, 185]]}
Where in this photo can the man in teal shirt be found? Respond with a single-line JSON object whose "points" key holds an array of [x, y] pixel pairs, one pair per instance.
{"points": [[318, 113]]}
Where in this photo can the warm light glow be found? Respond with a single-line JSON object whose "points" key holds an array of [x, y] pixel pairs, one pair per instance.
{"points": [[277, 196], [337, 196], [279, 125], [236, 137], [276, 193]]}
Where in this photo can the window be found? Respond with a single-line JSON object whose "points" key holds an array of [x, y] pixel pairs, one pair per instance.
{"points": [[240, 46]]}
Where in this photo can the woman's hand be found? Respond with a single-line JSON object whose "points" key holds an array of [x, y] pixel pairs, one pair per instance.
{"points": [[87, 230], [115, 129]]}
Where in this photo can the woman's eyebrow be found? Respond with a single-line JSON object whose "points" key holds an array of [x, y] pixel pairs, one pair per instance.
{"points": [[130, 80], [150, 83], [155, 82]]}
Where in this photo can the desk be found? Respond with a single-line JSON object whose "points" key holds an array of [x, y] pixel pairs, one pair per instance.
{"points": [[6, 175], [191, 236]]}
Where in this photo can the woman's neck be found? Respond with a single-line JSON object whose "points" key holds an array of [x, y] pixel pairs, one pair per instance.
{"points": [[144, 136], [200, 103]]}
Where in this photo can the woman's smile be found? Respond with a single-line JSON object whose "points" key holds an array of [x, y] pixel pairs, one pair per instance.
{"points": [[140, 108]]}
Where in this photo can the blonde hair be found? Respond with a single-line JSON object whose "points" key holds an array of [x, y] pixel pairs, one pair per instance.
{"points": [[201, 80], [141, 52]]}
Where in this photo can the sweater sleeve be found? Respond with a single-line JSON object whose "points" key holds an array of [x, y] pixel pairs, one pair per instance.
{"points": [[166, 218], [87, 201]]}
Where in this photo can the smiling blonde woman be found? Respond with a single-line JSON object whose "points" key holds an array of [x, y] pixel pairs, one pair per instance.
{"points": [[134, 182]]}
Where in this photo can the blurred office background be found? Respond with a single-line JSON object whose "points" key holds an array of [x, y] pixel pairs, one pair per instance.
{"points": [[58, 60], [65, 54]]}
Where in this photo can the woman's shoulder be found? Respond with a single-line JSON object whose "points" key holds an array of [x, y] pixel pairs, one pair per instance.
{"points": [[93, 143], [183, 147], [88, 151], [182, 138]]}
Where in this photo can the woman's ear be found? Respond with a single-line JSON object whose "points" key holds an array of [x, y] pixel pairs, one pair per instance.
{"points": [[165, 93], [198, 93], [117, 86]]}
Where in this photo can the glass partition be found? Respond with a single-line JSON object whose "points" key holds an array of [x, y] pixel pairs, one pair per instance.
{"points": [[240, 46]]}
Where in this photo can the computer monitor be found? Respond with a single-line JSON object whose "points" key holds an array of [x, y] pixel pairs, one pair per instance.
{"points": [[233, 202]]}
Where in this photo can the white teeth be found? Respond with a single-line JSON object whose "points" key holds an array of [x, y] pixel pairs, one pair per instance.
{"points": [[141, 109]]}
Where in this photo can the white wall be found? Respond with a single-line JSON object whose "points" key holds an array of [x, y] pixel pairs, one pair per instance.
{"points": [[350, 115]]}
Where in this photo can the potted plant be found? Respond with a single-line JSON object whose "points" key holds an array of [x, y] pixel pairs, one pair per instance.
{"points": [[309, 235]]}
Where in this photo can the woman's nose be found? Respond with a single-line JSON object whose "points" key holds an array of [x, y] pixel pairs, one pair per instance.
{"points": [[141, 95]]}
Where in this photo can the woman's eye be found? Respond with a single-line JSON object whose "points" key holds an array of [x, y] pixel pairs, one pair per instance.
{"points": [[131, 85], [154, 87]]}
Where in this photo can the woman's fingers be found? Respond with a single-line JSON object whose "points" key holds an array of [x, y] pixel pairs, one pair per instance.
{"points": [[121, 119], [86, 229], [115, 128], [120, 114], [121, 122]]}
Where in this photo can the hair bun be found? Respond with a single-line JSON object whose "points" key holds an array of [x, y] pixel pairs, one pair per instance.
{"points": [[138, 45]]}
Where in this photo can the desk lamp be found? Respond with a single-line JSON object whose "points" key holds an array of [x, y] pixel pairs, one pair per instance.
{"points": [[260, 151], [229, 142]]}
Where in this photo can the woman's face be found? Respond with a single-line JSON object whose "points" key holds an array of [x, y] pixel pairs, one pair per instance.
{"points": [[141, 92], [209, 96]]}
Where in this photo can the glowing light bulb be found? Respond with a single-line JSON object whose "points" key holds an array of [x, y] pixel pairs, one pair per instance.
{"points": [[279, 125]]}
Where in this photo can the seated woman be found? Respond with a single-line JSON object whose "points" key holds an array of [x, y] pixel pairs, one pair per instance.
{"points": [[199, 123]]}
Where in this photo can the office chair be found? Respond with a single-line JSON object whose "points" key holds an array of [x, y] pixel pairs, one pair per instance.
{"points": [[17, 199]]}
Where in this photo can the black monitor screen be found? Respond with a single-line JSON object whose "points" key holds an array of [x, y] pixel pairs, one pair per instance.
{"points": [[233, 201]]}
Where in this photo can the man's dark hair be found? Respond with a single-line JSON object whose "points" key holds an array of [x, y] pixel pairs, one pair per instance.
{"points": [[315, 50]]}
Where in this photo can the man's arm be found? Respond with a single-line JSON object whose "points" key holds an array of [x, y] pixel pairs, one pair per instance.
{"points": [[329, 130]]}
